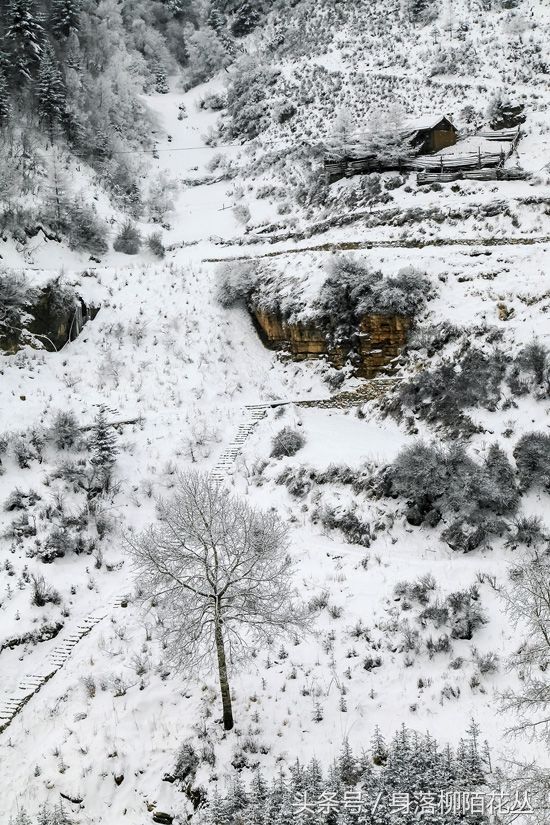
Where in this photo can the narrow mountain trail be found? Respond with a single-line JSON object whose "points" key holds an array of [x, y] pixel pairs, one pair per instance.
{"points": [[30, 684], [349, 246]]}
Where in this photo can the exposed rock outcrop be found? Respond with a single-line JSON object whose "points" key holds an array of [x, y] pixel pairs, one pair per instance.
{"points": [[48, 319], [377, 341]]}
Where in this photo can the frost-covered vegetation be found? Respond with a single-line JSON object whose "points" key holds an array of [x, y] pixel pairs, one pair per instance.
{"points": [[470, 378], [409, 512], [348, 289], [367, 786]]}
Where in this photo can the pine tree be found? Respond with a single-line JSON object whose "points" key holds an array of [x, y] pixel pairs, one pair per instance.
{"points": [[275, 797], [499, 491], [217, 810], [65, 17], [314, 779], [256, 813], [472, 763], [347, 764], [103, 447], [5, 103], [50, 89], [24, 37], [378, 748], [285, 814], [22, 818], [161, 80], [237, 798]]}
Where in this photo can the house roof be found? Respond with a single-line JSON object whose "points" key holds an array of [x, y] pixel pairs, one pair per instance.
{"points": [[418, 124]]}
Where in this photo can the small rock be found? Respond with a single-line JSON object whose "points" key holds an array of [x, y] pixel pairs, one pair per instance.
{"points": [[119, 779], [163, 818]]}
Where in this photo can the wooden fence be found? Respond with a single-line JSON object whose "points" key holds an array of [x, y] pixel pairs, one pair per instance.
{"points": [[494, 173], [336, 168]]}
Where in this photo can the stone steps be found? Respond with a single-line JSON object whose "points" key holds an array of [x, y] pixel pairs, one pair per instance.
{"points": [[31, 683]]}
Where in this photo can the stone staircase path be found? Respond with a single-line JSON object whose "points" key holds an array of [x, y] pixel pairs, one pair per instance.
{"points": [[31, 683], [253, 413]]}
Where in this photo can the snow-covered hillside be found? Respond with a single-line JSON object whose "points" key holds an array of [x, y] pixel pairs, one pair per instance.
{"points": [[403, 628]]}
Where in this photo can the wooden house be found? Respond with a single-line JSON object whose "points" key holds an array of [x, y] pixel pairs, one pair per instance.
{"points": [[424, 135], [431, 133]]}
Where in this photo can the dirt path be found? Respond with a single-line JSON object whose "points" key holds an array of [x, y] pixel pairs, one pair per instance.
{"points": [[397, 244]]}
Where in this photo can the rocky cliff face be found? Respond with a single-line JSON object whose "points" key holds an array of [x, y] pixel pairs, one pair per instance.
{"points": [[378, 340], [52, 317]]}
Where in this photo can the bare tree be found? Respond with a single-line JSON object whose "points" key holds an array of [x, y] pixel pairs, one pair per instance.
{"points": [[223, 574], [528, 604]]}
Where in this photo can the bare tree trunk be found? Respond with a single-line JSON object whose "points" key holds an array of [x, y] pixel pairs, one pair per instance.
{"points": [[222, 670]]}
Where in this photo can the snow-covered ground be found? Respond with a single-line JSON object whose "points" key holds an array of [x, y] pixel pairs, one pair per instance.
{"points": [[168, 360]]}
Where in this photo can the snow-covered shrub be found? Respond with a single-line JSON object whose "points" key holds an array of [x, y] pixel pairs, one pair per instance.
{"points": [[487, 662], [85, 229], [128, 239], [501, 112], [352, 290], [65, 431], [156, 245], [466, 622], [435, 481], [18, 500], [473, 379], [463, 535], [286, 442], [355, 530], [299, 481], [418, 591], [15, 294], [528, 530], [235, 281], [248, 103], [207, 55], [440, 645], [533, 358], [213, 100], [187, 762], [433, 338], [532, 455], [58, 543], [160, 198], [23, 452], [43, 593], [74, 473], [283, 110], [242, 213]]}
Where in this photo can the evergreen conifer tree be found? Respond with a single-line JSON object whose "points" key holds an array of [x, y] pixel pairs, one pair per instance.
{"points": [[161, 80], [256, 812], [378, 748], [103, 447], [5, 102], [347, 764], [22, 818], [65, 17], [50, 90], [23, 37]]}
